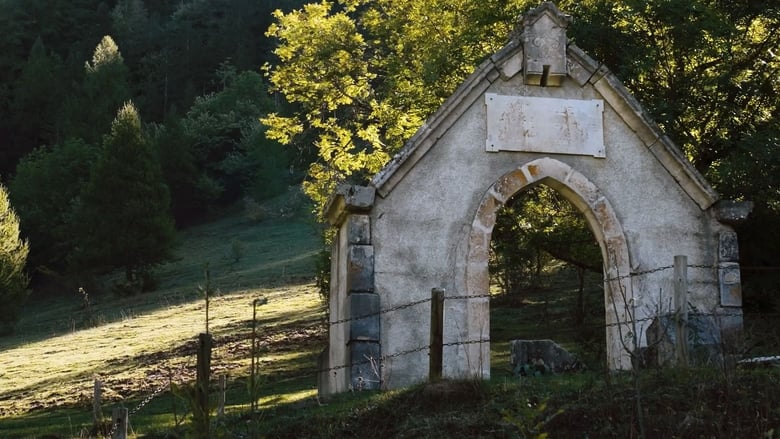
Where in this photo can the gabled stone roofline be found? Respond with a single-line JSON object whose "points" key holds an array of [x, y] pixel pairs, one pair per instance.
{"points": [[582, 69]]}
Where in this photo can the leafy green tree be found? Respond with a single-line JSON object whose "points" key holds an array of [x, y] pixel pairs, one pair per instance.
{"points": [[69, 31], [13, 257], [45, 191], [190, 196], [372, 75], [125, 220]]}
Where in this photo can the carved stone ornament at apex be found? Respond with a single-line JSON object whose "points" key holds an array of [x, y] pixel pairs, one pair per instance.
{"points": [[544, 41]]}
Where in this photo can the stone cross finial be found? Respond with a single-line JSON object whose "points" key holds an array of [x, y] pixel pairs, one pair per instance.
{"points": [[544, 45]]}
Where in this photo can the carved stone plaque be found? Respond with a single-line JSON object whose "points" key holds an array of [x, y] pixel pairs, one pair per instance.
{"points": [[549, 125]]}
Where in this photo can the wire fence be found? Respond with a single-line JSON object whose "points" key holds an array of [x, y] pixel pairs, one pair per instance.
{"points": [[376, 363]]}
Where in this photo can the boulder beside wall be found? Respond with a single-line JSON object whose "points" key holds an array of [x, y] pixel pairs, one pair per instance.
{"points": [[541, 355]]}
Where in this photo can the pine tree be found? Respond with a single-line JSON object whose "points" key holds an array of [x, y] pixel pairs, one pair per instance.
{"points": [[104, 90], [125, 220], [13, 257]]}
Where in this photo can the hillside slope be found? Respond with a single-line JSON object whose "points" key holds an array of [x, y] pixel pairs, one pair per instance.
{"points": [[138, 344]]}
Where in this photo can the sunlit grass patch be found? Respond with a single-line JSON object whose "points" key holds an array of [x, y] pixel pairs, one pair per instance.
{"points": [[139, 344]]}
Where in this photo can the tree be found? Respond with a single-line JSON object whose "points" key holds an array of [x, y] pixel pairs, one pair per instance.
{"points": [[372, 75], [125, 220], [13, 257], [104, 90], [45, 191], [38, 95], [228, 145]]}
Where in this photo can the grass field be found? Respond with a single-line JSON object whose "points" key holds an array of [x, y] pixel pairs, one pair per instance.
{"points": [[138, 344]]}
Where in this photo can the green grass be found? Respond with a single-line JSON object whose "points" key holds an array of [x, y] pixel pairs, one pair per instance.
{"points": [[137, 344]]}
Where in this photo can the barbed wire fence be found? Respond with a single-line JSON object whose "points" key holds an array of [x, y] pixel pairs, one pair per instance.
{"points": [[378, 362]]}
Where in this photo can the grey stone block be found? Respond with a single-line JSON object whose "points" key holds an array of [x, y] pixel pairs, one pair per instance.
{"points": [[359, 230], [704, 340], [364, 328], [365, 365], [360, 268], [728, 248], [730, 284], [543, 353], [733, 212], [349, 199]]}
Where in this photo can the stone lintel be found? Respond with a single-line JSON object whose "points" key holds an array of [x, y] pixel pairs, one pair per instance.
{"points": [[349, 199], [732, 212]]}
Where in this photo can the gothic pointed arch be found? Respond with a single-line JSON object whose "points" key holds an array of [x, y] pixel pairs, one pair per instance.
{"points": [[603, 221]]}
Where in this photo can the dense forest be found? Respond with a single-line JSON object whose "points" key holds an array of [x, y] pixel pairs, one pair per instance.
{"points": [[121, 120]]}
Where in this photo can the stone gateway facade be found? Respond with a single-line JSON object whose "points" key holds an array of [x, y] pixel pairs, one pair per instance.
{"points": [[540, 111]]}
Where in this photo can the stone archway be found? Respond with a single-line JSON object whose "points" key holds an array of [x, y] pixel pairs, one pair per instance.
{"points": [[539, 111], [586, 197]]}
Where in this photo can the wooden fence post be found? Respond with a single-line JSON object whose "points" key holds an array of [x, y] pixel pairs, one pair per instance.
{"points": [[97, 413], [437, 334], [681, 308], [204, 370], [119, 423], [253, 384]]}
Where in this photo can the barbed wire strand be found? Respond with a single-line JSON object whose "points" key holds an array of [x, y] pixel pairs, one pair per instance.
{"points": [[384, 358]]}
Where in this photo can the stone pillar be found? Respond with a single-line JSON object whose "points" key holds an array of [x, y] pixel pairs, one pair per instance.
{"points": [[352, 356], [363, 344]]}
